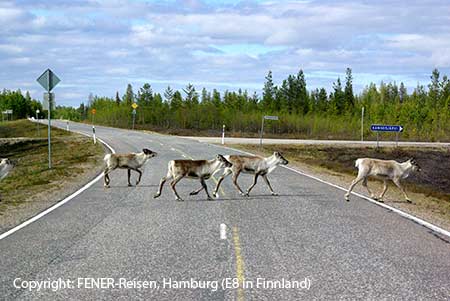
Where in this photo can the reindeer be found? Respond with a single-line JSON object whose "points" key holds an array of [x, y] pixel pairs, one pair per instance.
{"points": [[255, 165], [6, 166], [385, 170], [194, 169], [131, 161]]}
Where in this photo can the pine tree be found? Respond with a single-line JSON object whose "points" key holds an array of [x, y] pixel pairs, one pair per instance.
{"points": [[434, 88], [301, 93], [268, 92], [128, 98], [402, 92], [168, 94], [348, 91], [191, 95], [145, 95], [117, 98]]}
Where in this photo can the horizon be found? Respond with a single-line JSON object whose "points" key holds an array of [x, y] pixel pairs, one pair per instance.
{"points": [[99, 47]]}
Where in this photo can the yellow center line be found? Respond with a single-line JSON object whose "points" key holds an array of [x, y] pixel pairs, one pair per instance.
{"points": [[239, 263], [214, 178]]}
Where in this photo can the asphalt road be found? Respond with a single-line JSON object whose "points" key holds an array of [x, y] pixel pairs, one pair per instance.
{"points": [[234, 140], [344, 250]]}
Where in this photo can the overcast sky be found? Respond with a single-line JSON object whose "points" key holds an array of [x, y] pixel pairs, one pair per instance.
{"points": [[100, 46]]}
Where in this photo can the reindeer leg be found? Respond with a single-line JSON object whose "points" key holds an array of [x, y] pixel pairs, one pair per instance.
{"points": [[106, 179], [172, 184], [195, 192], [202, 181], [380, 198], [140, 175], [399, 185], [372, 196], [129, 176], [255, 179], [235, 182], [268, 184], [161, 184], [354, 182], [224, 175]]}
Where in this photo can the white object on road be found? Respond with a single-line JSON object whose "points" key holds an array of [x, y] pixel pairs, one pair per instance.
{"points": [[223, 231]]}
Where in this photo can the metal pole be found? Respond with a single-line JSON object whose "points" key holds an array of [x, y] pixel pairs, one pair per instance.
{"points": [[49, 128], [67, 125], [396, 139], [262, 131], [223, 134], [93, 129], [134, 117], [378, 144], [37, 122], [362, 124]]}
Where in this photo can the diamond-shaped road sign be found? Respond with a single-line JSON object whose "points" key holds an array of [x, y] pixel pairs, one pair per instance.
{"points": [[48, 80], [134, 105]]}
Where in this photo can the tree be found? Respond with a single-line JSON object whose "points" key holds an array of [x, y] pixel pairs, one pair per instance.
{"points": [[348, 91], [168, 94], [268, 92], [191, 95], [117, 98], [402, 92], [145, 97], [337, 98], [128, 98], [434, 88]]}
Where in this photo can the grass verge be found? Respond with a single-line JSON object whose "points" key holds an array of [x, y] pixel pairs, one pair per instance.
{"points": [[73, 157]]}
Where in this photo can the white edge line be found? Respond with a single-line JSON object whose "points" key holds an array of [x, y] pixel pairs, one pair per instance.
{"points": [[398, 211], [60, 203]]}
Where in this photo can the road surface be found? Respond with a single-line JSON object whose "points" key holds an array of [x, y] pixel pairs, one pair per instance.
{"points": [[309, 233], [233, 140]]}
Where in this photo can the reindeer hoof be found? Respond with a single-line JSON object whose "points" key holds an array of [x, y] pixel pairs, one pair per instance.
{"points": [[179, 200], [210, 199], [215, 195], [408, 201], [380, 200], [137, 183], [192, 193], [274, 194], [106, 186], [156, 195], [129, 185]]}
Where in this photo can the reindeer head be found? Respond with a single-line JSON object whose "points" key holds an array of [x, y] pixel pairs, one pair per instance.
{"points": [[280, 159], [414, 164], [149, 153], [224, 163]]}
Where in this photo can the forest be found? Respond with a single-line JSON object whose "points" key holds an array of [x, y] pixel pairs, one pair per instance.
{"points": [[316, 114]]}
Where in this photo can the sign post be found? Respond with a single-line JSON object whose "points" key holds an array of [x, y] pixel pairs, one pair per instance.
{"points": [[48, 80], [37, 123], [362, 124], [262, 127], [223, 134], [93, 125], [134, 106], [386, 128]]}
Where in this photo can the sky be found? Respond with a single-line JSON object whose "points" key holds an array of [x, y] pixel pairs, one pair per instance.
{"points": [[99, 46]]}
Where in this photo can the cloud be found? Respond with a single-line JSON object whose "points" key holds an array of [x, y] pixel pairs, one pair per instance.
{"points": [[101, 46]]}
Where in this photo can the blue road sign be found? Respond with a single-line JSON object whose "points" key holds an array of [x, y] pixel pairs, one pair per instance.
{"points": [[386, 128]]}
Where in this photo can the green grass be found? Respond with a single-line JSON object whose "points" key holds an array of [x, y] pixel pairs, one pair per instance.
{"points": [[72, 154]]}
